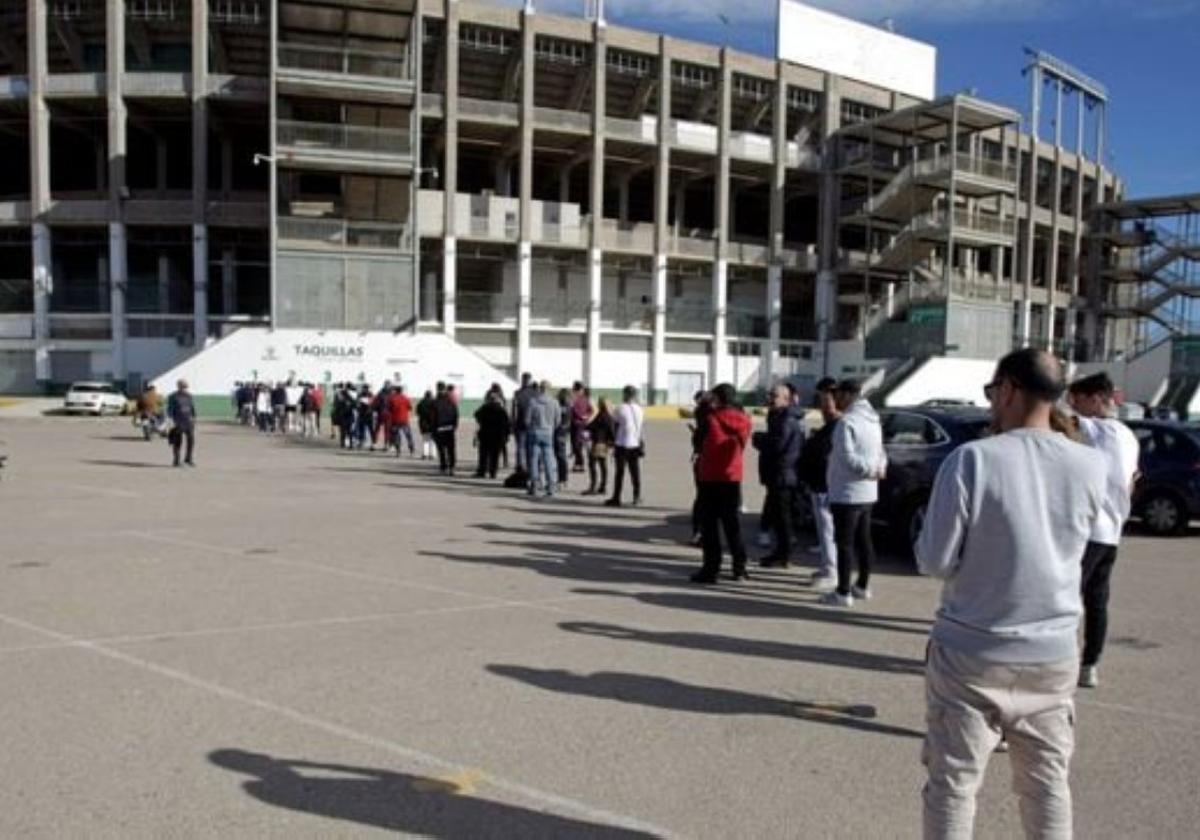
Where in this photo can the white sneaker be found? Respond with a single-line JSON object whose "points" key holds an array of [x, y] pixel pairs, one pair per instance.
{"points": [[861, 594], [833, 599], [823, 581], [764, 539], [1089, 676]]}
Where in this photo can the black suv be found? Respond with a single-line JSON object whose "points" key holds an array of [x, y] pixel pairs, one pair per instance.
{"points": [[1167, 494], [917, 440]]}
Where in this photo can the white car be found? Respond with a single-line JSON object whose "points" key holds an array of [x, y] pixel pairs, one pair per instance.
{"points": [[94, 398]]}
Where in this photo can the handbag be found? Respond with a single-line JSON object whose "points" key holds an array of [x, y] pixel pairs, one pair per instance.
{"points": [[174, 437], [600, 450]]}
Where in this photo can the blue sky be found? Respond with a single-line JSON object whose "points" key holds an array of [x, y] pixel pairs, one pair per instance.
{"points": [[1147, 52]]}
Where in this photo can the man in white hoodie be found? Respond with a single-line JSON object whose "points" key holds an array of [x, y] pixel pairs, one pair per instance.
{"points": [[1006, 526], [857, 463], [1092, 399]]}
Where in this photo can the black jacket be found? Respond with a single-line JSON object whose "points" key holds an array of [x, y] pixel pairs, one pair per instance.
{"points": [[426, 415], [494, 425], [779, 453], [602, 429], [446, 416], [814, 458]]}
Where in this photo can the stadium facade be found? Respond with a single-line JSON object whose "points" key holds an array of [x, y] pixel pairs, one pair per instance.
{"points": [[557, 194]]}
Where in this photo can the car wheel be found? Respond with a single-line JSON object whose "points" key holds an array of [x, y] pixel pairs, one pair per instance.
{"points": [[1163, 514]]}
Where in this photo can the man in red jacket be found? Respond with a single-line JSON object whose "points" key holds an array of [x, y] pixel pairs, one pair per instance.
{"points": [[401, 411], [719, 476]]}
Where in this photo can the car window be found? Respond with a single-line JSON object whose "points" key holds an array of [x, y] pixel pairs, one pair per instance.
{"points": [[85, 389], [904, 429]]}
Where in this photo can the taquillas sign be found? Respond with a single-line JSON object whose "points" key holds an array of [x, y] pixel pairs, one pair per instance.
{"points": [[330, 352]]}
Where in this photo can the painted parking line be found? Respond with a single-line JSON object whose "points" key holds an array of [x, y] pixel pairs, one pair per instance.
{"points": [[300, 624], [450, 769]]}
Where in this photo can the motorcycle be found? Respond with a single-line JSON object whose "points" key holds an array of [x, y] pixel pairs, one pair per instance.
{"points": [[151, 426]]}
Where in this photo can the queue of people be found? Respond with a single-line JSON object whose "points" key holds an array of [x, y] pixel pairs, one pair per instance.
{"points": [[1023, 527]]}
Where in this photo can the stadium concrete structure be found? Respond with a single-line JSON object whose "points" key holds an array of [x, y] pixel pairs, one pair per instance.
{"points": [[556, 194]]}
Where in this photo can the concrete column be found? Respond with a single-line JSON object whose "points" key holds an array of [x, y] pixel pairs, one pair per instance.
{"points": [[774, 302], [1075, 267], [525, 245], [1031, 209], [39, 187], [720, 275], [1052, 254], [229, 290], [662, 231], [164, 283], [200, 283], [623, 197], [524, 296], [43, 285], [450, 175], [825, 289], [117, 151], [450, 285], [199, 173], [591, 357]]}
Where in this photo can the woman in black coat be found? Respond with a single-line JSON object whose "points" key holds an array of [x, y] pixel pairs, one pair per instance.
{"points": [[492, 421], [601, 435]]}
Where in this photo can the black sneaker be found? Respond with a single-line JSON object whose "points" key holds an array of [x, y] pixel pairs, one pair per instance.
{"points": [[772, 561], [612, 503], [740, 574], [701, 578]]}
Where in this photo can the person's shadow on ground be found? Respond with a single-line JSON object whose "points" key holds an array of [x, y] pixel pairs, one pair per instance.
{"points": [[663, 693], [396, 801]]}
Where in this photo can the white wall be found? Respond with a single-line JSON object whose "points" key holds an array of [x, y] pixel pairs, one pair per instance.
{"points": [[333, 356], [561, 367], [1142, 379], [825, 41], [947, 379], [618, 368]]}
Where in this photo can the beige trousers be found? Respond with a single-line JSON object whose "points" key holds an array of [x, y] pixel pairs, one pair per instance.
{"points": [[971, 705]]}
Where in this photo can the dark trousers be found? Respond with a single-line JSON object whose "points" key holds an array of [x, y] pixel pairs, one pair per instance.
{"points": [[560, 456], [597, 467], [627, 459], [182, 436], [446, 449], [786, 517], [489, 457], [577, 449], [720, 510], [1098, 562], [852, 533]]}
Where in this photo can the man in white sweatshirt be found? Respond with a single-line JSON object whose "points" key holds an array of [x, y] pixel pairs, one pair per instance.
{"points": [[1007, 524], [1092, 399], [857, 463]]}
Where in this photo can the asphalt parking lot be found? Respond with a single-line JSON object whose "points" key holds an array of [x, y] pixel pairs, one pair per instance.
{"points": [[293, 641]]}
